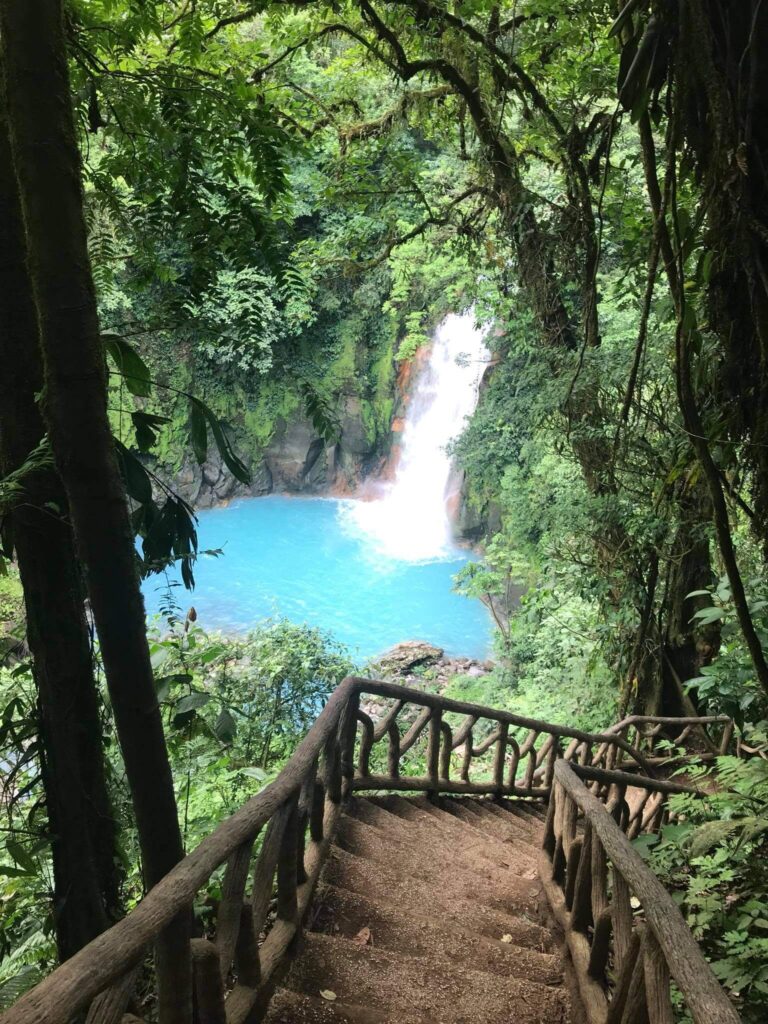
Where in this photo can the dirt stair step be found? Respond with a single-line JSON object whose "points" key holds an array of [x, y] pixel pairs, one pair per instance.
{"points": [[522, 828], [448, 901], [466, 830], [416, 821], [287, 1007], [401, 985], [526, 822], [417, 827], [357, 918], [366, 840], [523, 841], [486, 821], [531, 810]]}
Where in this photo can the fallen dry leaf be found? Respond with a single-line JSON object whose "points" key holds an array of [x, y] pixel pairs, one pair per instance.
{"points": [[364, 937]]}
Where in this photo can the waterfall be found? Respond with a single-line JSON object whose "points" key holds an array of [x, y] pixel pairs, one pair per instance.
{"points": [[410, 521]]}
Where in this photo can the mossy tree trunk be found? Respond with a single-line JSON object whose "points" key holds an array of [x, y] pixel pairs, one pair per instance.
{"points": [[85, 872], [47, 166]]}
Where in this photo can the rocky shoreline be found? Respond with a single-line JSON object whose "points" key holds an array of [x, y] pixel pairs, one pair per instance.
{"points": [[406, 663]]}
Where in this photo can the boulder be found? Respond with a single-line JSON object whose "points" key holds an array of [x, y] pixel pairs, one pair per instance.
{"points": [[402, 658]]}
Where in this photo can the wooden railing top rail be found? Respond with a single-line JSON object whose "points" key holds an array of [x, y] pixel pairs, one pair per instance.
{"points": [[631, 779], [668, 720], [698, 985]]}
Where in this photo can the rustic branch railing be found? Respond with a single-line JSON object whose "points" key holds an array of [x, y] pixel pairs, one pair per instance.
{"points": [[495, 753], [619, 920], [713, 734]]}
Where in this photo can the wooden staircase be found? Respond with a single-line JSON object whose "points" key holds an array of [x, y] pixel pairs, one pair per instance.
{"points": [[429, 914], [402, 867]]}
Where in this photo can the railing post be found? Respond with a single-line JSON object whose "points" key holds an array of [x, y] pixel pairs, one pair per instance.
{"points": [[445, 751], [264, 871], [601, 946], [622, 919], [366, 745], [656, 982], [552, 755], [209, 987], [173, 970], [230, 908], [347, 736], [513, 762], [433, 752], [287, 904], [332, 768], [467, 759], [624, 974], [567, 831], [393, 750], [581, 911], [500, 759], [247, 963], [550, 839], [599, 879], [317, 809], [571, 870], [304, 809], [725, 742], [531, 766]]}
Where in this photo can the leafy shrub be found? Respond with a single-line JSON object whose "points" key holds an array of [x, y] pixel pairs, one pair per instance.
{"points": [[729, 685], [714, 858]]}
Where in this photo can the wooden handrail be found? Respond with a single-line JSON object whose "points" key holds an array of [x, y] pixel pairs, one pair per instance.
{"points": [[628, 779], [72, 986], [308, 793], [669, 720], [645, 952], [438, 702]]}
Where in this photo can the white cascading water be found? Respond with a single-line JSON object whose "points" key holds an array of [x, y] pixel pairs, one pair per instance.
{"points": [[411, 519]]}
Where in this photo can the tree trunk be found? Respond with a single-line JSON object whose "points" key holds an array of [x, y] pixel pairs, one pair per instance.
{"points": [[723, 100], [687, 647], [86, 878], [47, 167]]}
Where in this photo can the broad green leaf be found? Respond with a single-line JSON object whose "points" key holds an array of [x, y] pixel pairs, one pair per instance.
{"points": [[135, 477], [129, 364], [198, 431], [193, 701], [21, 856], [225, 727]]}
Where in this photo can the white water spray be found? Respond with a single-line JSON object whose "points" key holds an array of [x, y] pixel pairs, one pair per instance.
{"points": [[411, 520]]}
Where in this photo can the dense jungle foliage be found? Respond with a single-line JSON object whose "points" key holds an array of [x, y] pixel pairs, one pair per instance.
{"points": [[279, 202]]}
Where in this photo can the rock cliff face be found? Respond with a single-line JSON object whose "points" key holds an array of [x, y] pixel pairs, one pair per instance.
{"points": [[475, 524], [296, 461]]}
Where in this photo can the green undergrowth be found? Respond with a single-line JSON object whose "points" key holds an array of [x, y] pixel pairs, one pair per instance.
{"points": [[234, 710], [714, 860]]}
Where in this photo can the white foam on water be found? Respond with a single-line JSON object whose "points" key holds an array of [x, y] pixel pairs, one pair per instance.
{"points": [[411, 520]]}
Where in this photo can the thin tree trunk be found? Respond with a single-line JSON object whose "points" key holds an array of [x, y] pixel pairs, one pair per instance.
{"points": [[687, 646], [86, 878], [47, 167]]}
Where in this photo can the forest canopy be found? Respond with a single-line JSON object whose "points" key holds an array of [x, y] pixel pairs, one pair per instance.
{"points": [[255, 215]]}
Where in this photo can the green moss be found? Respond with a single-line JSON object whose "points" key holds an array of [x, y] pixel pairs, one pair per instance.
{"points": [[11, 597], [343, 369], [275, 402]]}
